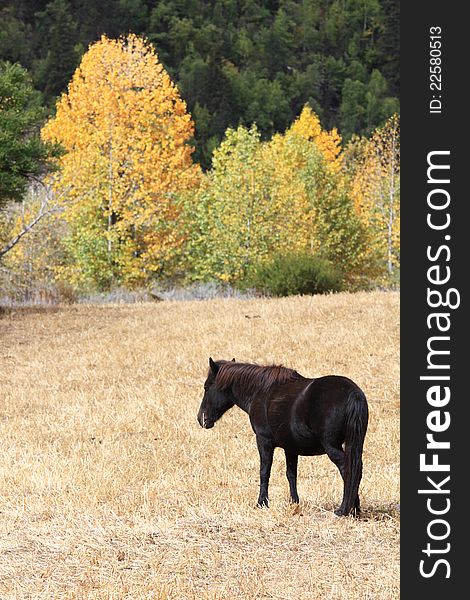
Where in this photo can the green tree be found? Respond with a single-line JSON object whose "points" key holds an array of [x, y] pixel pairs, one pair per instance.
{"points": [[287, 195], [366, 105], [226, 228], [23, 155], [353, 110], [15, 38], [387, 43], [59, 51]]}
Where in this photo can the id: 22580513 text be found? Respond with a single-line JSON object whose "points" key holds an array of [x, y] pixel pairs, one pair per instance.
{"points": [[435, 70]]}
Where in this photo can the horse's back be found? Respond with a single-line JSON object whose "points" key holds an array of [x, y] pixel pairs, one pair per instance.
{"points": [[331, 389]]}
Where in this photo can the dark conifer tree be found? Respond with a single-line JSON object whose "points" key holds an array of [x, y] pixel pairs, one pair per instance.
{"points": [[59, 48]]}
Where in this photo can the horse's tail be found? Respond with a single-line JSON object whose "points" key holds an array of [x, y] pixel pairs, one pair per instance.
{"points": [[357, 416]]}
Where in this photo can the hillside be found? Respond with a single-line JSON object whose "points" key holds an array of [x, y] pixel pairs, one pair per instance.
{"points": [[235, 62]]}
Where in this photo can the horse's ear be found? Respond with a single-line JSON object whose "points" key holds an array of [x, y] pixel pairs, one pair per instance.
{"points": [[233, 360], [213, 366]]}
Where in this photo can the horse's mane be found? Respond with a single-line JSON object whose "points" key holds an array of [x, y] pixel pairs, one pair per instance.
{"points": [[251, 378]]}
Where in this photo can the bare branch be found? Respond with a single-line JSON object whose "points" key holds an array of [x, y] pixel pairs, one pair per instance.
{"points": [[45, 210]]}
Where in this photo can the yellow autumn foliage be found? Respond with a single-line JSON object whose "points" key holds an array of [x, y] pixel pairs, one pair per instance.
{"points": [[125, 131], [328, 142], [375, 191]]}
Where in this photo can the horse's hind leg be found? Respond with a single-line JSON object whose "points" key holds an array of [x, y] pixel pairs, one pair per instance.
{"points": [[291, 472], [336, 455]]}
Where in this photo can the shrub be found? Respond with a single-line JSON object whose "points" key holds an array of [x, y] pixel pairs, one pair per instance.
{"points": [[290, 274]]}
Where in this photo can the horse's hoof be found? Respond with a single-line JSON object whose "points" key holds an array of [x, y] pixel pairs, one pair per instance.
{"points": [[340, 513]]}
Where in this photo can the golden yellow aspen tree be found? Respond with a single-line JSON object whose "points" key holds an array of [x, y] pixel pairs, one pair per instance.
{"points": [[375, 188], [305, 142], [308, 182], [125, 131], [328, 142], [290, 204]]}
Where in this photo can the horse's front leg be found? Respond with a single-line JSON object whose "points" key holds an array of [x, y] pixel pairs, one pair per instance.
{"points": [[266, 453], [292, 460]]}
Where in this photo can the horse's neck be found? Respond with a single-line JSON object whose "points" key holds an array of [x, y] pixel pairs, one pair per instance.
{"points": [[244, 403]]}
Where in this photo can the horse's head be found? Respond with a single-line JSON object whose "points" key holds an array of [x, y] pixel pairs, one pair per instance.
{"points": [[215, 402]]}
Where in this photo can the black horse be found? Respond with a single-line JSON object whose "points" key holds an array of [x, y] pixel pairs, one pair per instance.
{"points": [[303, 416]]}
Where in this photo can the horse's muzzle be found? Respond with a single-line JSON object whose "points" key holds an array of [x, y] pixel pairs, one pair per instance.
{"points": [[204, 422]]}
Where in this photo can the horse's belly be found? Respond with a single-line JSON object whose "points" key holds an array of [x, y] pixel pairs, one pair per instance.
{"points": [[311, 451], [308, 448], [290, 427], [302, 442]]}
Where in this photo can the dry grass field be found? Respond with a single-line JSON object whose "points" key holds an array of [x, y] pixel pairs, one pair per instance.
{"points": [[109, 489]]}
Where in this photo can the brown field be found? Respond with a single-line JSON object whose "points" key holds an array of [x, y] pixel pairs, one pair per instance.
{"points": [[109, 489]]}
